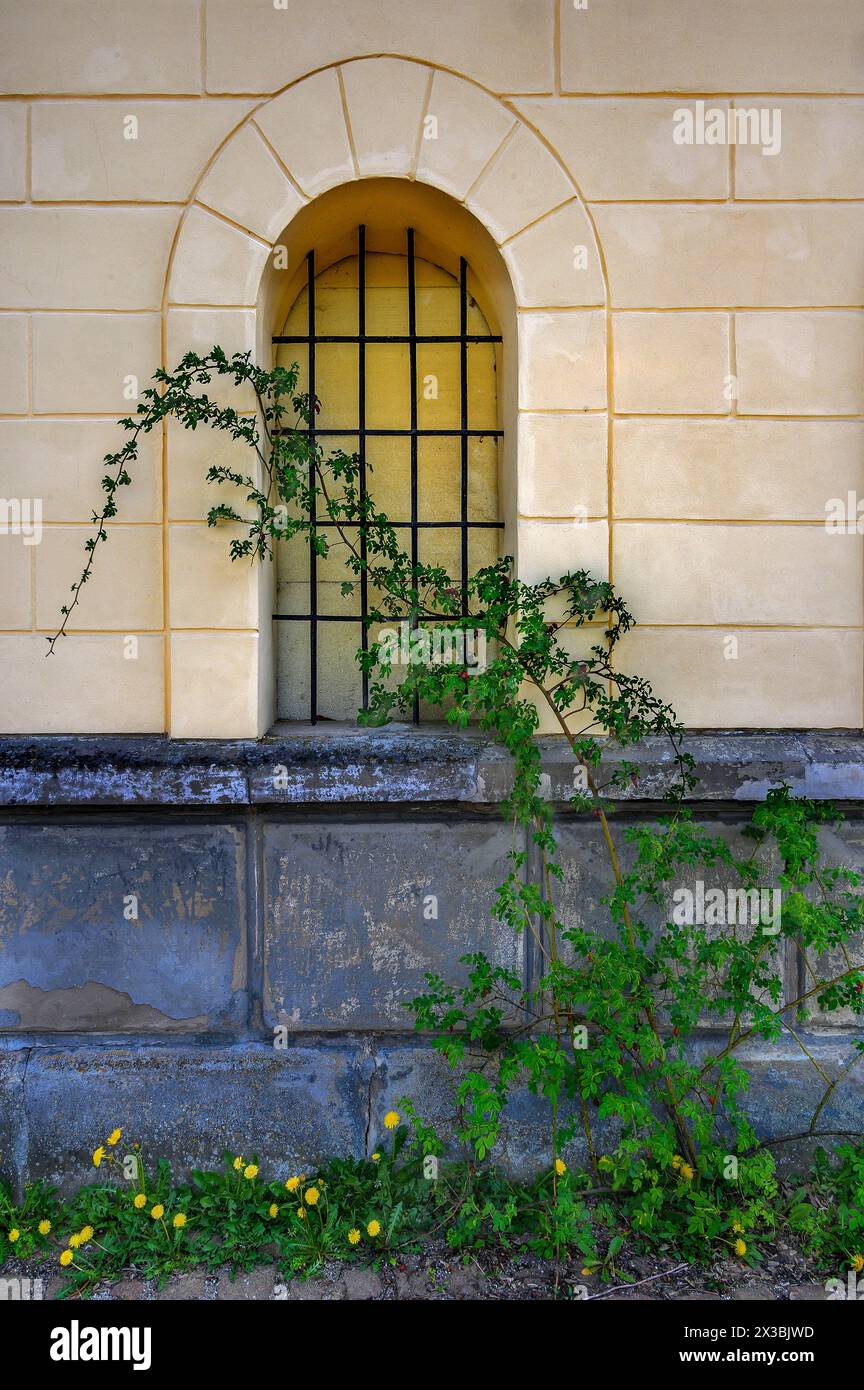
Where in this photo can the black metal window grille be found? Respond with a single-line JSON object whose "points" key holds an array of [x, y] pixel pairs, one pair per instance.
{"points": [[464, 523]]}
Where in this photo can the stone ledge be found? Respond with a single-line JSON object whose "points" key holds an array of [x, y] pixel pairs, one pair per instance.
{"points": [[400, 765]]}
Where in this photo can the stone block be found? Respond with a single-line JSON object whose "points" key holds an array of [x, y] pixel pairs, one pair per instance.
{"points": [[507, 45], [783, 575], [189, 1104], [800, 364], [793, 679], [73, 961], [345, 949], [113, 693]]}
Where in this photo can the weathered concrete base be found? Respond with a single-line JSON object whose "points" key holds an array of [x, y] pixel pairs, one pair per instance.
{"points": [[296, 1106], [169, 911]]}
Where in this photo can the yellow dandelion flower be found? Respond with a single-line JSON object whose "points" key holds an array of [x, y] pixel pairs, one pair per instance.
{"points": [[858, 1263], [274, 1211], [250, 1171], [292, 1184], [98, 1155], [311, 1196], [560, 1167], [238, 1164], [376, 1158], [301, 1213], [44, 1228], [86, 1234], [66, 1258], [373, 1229], [391, 1119], [139, 1200], [114, 1137], [179, 1221], [157, 1212], [686, 1172], [74, 1242], [14, 1234], [354, 1237], [740, 1247]]}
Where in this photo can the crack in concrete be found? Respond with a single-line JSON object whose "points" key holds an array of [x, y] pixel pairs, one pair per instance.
{"points": [[369, 1101], [21, 1139]]}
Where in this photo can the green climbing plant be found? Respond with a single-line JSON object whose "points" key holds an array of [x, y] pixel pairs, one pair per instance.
{"points": [[611, 1036]]}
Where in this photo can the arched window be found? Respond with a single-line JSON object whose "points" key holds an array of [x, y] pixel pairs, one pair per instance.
{"points": [[403, 360]]}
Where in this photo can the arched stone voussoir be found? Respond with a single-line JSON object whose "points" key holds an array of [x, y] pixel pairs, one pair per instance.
{"points": [[306, 127], [464, 126], [386, 101], [215, 263], [248, 185], [387, 117], [522, 183], [555, 262]]}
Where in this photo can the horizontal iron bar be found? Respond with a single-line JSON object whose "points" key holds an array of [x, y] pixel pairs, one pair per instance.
{"points": [[388, 338], [348, 618], [319, 618], [452, 525], [403, 434]]}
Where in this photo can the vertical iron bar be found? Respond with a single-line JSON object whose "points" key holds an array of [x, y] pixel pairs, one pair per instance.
{"points": [[463, 389], [361, 442], [313, 558], [412, 356]]}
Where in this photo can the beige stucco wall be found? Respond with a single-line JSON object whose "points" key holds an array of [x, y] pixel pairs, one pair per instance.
{"points": [[688, 394]]}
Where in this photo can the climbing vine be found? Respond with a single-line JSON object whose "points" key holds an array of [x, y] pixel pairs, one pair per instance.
{"points": [[631, 1035]]}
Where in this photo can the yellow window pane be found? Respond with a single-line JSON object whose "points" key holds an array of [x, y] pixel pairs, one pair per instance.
{"points": [[336, 385], [331, 600], [442, 546], [291, 641], [483, 478], [388, 386], [386, 295], [439, 479], [437, 301], [438, 386], [388, 476], [336, 298], [483, 548], [340, 687], [292, 561], [482, 394]]}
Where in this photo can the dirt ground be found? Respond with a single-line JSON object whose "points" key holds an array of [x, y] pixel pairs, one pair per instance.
{"points": [[494, 1275]]}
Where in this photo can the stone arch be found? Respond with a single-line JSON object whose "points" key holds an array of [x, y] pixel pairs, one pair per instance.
{"points": [[369, 118]]}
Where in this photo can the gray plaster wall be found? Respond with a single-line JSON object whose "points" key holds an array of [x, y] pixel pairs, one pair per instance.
{"points": [[210, 945]]}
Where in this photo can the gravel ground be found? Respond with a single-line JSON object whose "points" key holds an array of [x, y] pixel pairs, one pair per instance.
{"points": [[438, 1274]]}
